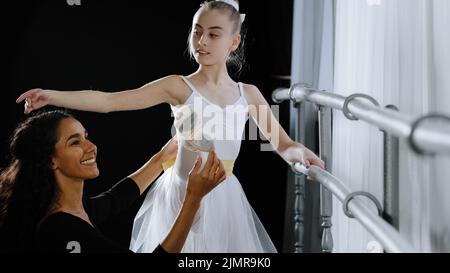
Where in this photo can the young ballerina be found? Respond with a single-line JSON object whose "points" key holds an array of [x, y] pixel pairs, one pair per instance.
{"points": [[225, 222]]}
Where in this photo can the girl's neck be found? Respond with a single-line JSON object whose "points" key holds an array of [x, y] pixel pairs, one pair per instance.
{"points": [[213, 74]]}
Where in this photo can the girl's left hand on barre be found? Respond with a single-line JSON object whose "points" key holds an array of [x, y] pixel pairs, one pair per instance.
{"points": [[308, 158]]}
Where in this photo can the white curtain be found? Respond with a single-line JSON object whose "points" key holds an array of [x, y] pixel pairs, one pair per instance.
{"points": [[440, 78], [397, 51]]}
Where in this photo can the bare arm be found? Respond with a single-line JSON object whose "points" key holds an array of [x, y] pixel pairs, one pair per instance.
{"points": [[263, 116], [199, 184], [153, 168], [156, 92]]}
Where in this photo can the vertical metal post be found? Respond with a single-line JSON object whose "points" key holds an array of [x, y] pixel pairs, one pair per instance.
{"points": [[391, 177], [299, 207], [326, 198], [298, 215]]}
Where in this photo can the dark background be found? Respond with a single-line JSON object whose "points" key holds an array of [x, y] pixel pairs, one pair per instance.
{"points": [[118, 45]]}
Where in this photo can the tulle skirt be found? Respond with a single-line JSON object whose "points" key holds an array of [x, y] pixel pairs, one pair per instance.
{"points": [[225, 222]]}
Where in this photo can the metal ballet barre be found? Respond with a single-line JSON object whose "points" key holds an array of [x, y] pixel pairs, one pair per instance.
{"points": [[430, 140], [387, 235]]}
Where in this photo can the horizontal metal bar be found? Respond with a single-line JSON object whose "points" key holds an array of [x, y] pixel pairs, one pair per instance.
{"points": [[427, 138], [387, 235]]}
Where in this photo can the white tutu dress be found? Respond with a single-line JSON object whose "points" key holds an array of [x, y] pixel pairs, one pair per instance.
{"points": [[225, 222]]}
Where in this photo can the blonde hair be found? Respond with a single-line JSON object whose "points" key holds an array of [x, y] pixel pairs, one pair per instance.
{"points": [[236, 60]]}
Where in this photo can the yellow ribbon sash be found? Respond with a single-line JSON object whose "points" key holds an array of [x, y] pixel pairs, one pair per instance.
{"points": [[227, 164]]}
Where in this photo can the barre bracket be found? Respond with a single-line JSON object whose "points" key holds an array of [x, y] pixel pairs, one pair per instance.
{"points": [[363, 193], [347, 112]]}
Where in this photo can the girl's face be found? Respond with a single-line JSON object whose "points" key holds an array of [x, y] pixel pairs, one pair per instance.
{"points": [[213, 37], [75, 156]]}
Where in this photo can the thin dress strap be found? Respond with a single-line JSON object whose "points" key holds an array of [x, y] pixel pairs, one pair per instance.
{"points": [[241, 90], [189, 84]]}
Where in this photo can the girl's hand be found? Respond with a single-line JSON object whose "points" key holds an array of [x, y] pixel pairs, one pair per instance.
{"points": [[34, 99], [309, 158]]}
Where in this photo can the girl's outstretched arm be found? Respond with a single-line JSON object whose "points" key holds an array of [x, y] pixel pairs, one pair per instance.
{"points": [[151, 94], [263, 116]]}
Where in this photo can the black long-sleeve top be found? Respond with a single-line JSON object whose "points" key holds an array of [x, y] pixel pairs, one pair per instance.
{"points": [[62, 232]]}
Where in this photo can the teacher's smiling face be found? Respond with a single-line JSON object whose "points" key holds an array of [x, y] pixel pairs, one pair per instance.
{"points": [[75, 155]]}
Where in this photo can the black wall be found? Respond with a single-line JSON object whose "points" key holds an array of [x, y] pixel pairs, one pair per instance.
{"points": [[118, 45]]}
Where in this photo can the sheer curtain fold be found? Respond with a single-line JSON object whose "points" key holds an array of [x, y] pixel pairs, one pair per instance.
{"points": [[398, 52], [440, 175]]}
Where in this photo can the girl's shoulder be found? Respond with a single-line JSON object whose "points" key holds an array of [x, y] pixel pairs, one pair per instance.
{"points": [[176, 87], [250, 88], [172, 80], [251, 92]]}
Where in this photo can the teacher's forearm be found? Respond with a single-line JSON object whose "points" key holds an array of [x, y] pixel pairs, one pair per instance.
{"points": [[148, 173], [179, 232]]}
